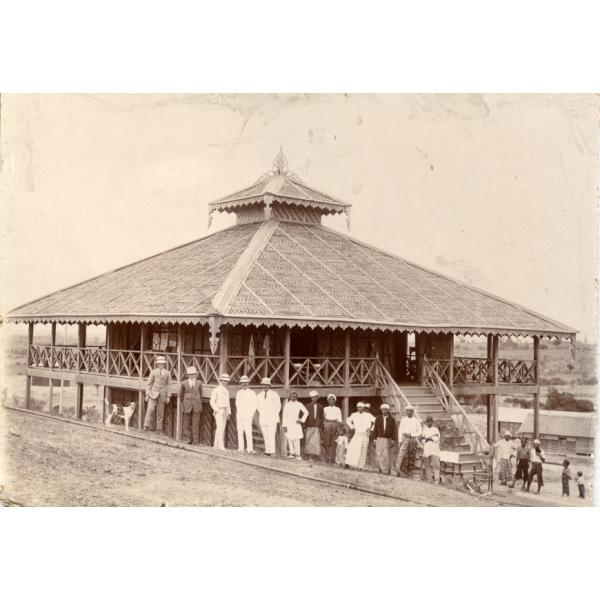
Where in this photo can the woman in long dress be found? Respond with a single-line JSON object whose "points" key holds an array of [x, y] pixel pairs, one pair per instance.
{"points": [[294, 414], [361, 422]]}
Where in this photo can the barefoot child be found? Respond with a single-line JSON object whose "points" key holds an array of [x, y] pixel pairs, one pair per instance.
{"points": [[341, 447], [566, 476], [581, 484]]}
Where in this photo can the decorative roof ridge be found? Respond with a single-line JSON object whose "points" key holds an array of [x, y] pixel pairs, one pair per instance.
{"points": [[564, 328], [239, 272]]}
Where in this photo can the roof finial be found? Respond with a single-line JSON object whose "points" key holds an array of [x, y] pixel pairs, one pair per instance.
{"points": [[280, 163]]}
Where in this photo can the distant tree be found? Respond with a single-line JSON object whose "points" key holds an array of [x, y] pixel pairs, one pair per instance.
{"points": [[566, 401]]}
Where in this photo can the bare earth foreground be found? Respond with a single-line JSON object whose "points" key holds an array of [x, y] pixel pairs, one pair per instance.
{"points": [[54, 463]]}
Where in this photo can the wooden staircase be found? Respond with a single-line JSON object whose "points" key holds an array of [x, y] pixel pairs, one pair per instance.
{"points": [[463, 447]]}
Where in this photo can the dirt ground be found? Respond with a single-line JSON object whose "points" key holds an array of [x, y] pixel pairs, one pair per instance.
{"points": [[55, 463]]}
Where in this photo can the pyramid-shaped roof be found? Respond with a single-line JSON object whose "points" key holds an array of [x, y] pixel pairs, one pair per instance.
{"points": [[281, 270]]}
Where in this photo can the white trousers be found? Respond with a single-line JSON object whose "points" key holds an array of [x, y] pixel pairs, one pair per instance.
{"points": [[294, 447], [244, 426], [220, 422], [268, 432]]}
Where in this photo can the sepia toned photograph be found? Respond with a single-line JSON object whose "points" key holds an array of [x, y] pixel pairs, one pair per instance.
{"points": [[298, 300]]}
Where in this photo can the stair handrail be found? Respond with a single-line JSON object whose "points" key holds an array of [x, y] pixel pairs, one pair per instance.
{"points": [[449, 400], [390, 382]]}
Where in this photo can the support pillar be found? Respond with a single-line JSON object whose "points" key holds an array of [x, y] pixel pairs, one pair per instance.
{"points": [[451, 363], [51, 365], [27, 377], [536, 397], [223, 350], [141, 391], [287, 344], [80, 344], [179, 379], [346, 399], [492, 404]]}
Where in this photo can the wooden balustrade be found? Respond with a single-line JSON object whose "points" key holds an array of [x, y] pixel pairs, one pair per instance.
{"points": [[304, 371]]}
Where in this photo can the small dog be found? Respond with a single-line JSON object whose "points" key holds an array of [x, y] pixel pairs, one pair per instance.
{"points": [[128, 411]]}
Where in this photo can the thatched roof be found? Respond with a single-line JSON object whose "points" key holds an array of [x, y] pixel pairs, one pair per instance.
{"points": [[279, 272]]}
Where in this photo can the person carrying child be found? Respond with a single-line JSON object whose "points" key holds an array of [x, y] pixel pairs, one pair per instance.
{"points": [[566, 476]]}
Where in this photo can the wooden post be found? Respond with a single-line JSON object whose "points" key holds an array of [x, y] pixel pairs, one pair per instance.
{"points": [[346, 400], [27, 377], [451, 364], [51, 380], [492, 405], [179, 378], [80, 344], [141, 390], [287, 344], [536, 397], [223, 349]]}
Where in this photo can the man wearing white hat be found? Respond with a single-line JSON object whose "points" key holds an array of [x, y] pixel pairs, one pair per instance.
{"points": [[361, 422], [504, 451], [294, 414], [269, 407], [245, 408], [157, 394], [219, 402], [537, 458], [190, 394], [332, 422], [384, 433], [431, 450], [409, 433]]}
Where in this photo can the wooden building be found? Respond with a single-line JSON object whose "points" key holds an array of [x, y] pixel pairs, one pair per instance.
{"points": [[280, 295], [564, 432]]}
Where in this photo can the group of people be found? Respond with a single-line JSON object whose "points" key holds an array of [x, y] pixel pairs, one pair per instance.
{"points": [[529, 465], [320, 429]]}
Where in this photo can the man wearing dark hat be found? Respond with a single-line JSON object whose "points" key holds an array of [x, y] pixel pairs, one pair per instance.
{"points": [[157, 394], [190, 394], [384, 433]]}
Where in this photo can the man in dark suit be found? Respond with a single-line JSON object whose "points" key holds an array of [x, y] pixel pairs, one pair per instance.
{"points": [[314, 425], [384, 433], [190, 394]]}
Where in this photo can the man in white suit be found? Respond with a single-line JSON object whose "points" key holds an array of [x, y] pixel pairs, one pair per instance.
{"points": [[269, 407], [219, 402], [245, 408]]}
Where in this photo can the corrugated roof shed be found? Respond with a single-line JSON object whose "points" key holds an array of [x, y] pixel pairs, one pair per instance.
{"points": [[563, 423]]}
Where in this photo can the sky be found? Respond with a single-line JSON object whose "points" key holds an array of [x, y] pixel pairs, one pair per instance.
{"points": [[496, 190]]}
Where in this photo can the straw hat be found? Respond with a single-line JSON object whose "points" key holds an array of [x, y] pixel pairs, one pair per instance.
{"points": [[244, 379], [266, 381], [191, 371], [313, 394], [385, 405], [536, 441], [224, 377], [161, 359]]}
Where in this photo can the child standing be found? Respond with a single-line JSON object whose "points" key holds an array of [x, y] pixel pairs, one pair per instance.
{"points": [[341, 446], [566, 477], [581, 484]]}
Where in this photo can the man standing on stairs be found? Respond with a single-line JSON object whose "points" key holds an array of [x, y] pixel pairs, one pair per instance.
{"points": [[431, 450], [505, 450], [409, 433], [384, 433]]}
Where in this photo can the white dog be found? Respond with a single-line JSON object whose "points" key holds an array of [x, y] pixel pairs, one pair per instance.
{"points": [[128, 411]]}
